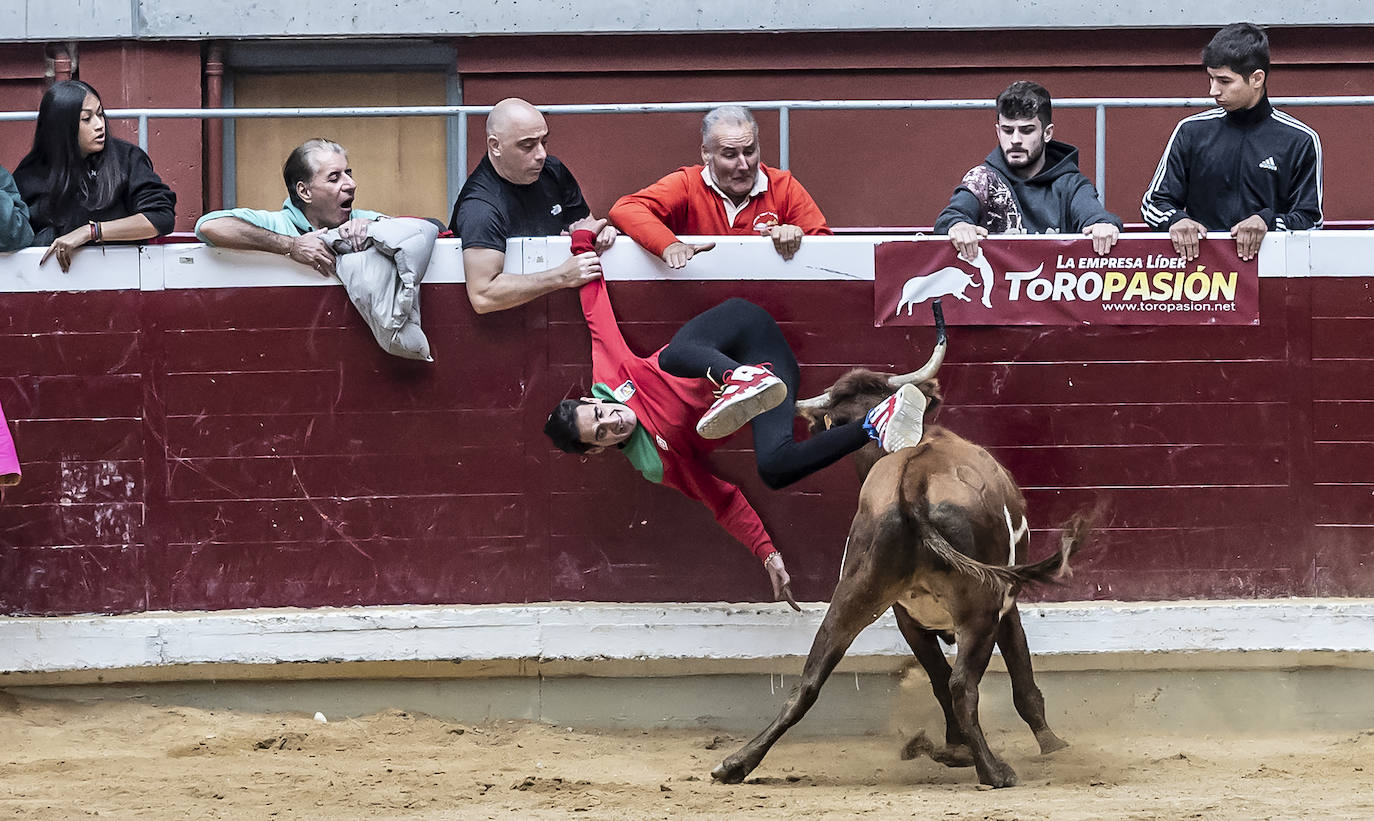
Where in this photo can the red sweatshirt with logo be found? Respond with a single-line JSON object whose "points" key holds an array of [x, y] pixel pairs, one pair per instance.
{"points": [[682, 203], [668, 408]]}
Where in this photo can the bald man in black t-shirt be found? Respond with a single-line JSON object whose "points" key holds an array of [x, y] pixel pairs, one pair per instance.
{"points": [[519, 190]]}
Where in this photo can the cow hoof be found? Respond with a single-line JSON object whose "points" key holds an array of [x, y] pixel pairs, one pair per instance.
{"points": [[729, 771], [953, 755], [1001, 776], [1049, 742]]}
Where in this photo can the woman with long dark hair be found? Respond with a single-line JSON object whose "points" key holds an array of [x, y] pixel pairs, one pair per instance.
{"points": [[83, 186]]}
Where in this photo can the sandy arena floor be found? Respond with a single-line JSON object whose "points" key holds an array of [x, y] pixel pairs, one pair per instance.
{"points": [[67, 760]]}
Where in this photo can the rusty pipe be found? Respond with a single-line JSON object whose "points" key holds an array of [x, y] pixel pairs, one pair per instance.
{"points": [[214, 129]]}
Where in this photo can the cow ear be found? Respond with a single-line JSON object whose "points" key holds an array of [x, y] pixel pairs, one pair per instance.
{"points": [[934, 398]]}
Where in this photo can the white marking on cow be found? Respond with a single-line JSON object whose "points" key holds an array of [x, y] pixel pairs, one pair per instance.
{"points": [[1014, 534], [844, 554]]}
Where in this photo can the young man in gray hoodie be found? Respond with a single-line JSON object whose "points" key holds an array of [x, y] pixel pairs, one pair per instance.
{"points": [[1029, 185]]}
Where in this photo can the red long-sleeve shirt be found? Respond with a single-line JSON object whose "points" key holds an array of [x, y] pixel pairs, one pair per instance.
{"points": [[682, 203], [668, 408]]}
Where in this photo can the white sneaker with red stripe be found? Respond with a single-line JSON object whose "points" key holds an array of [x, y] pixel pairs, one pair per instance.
{"points": [[746, 392], [898, 421]]}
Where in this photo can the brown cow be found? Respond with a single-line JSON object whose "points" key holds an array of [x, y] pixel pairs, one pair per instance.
{"points": [[938, 528]]}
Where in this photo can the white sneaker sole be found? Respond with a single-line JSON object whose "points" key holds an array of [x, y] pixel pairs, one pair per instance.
{"points": [[730, 418], [907, 425]]}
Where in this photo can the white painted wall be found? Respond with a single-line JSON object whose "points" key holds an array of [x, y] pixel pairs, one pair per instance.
{"points": [[192, 19], [193, 265], [644, 632]]}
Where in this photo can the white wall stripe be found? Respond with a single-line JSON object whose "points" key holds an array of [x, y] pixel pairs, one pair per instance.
{"points": [[707, 631], [193, 265]]}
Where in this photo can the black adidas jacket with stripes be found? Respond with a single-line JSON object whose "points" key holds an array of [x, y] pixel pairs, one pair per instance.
{"points": [[1220, 168]]}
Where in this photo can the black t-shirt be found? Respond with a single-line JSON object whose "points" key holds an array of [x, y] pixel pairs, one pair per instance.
{"points": [[490, 209]]}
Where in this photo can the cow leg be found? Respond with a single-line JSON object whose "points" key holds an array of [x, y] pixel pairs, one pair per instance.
{"points": [[1029, 701], [975, 642], [926, 645], [858, 601]]}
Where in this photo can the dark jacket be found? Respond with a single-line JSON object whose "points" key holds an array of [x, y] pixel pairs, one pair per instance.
{"points": [[1058, 200], [15, 231], [1220, 168], [141, 191]]}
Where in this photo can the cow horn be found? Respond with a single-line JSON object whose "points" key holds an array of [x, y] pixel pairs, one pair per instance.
{"points": [[815, 403], [925, 372], [937, 356]]}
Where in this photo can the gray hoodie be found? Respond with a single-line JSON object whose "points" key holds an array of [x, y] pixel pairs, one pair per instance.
{"points": [[1057, 200]]}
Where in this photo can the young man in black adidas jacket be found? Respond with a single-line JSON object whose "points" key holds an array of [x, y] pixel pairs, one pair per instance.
{"points": [[1244, 166]]}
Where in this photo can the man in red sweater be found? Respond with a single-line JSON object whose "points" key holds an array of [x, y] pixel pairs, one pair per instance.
{"points": [[726, 368], [731, 192]]}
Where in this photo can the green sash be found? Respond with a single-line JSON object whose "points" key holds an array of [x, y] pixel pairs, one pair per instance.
{"points": [[639, 448]]}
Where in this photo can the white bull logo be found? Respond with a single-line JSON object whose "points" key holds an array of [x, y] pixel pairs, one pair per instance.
{"points": [[948, 281]]}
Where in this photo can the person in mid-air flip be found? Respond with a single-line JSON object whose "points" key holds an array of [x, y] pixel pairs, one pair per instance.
{"points": [[727, 367]]}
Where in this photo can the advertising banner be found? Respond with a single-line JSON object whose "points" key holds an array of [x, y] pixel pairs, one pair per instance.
{"points": [[1064, 282]]}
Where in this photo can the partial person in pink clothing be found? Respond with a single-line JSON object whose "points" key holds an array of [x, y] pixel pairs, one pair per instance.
{"points": [[9, 460]]}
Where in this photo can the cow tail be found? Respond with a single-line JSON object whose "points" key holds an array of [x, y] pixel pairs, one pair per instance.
{"points": [[1000, 580], [1054, 569]]}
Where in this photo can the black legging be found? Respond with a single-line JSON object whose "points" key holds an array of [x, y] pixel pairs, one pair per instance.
{"points": [[738, 332]]}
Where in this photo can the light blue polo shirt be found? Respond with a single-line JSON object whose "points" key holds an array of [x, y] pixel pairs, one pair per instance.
{"points": [[288, 221]]}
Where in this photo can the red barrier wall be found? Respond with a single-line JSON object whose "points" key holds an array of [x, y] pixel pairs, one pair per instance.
{"points": [[229, 448]]}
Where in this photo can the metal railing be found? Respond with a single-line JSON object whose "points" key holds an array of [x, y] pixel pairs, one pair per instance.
{"points": [[458, 115]]}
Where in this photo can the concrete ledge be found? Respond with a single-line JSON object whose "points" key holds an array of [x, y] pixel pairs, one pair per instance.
{"points": [[564, 639], [1187, 702], [327, 672], [181, 266]]}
